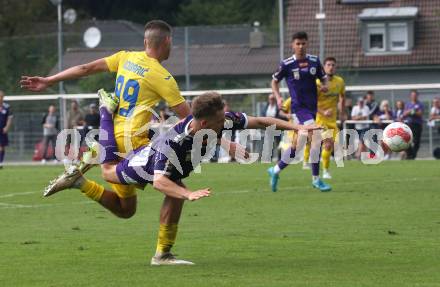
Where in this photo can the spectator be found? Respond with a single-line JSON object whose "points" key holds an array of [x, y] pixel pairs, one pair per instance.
{"points": [[434, 115], [435, 110], [92, 118], [374, 113], [414, 117], [385, 114], [348, 108], [91, 121], [400, 109], [75, 120], [5, 125], [360, 112], [272, 110], [372, 105], [75, 117], [50, 124]]}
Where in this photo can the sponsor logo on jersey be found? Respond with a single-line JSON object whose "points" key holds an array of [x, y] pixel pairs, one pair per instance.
{"points": [[295, 74], [313, 70]]}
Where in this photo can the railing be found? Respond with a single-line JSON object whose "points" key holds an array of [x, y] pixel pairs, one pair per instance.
{"points": [[29, 109]]}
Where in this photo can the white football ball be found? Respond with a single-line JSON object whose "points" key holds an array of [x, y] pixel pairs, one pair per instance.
{"points": [[397, 136]]}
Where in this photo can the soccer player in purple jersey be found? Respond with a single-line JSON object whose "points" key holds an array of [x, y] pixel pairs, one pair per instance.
{"points": [[300, 72], [169, 158], [5, 124]]}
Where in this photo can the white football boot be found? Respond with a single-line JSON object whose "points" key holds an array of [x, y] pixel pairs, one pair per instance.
{"points": [[63, 181], [326, 174], [108, 100], [168, 259]]}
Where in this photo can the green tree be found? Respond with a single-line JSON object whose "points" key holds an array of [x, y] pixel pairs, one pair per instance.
{"points": [[17, 16], [209, 12]]}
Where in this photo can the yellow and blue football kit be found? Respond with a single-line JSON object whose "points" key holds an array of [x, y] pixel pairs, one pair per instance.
{"points": [[141, 82], [329, 100], [289, 135]]}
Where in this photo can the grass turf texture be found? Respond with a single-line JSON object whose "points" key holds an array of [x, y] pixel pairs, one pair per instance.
{"points": [[380, 226]]}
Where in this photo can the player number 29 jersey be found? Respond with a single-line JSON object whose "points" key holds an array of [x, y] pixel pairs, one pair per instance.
{"points": [[141, 82]]}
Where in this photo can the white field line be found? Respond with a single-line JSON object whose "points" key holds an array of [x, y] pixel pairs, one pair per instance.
{"points": [[18, 194], [16, 205], [242, 191]]}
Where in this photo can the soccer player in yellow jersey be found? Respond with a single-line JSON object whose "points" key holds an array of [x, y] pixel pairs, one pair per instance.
{"points": [[141, 82], [289, 135], [328, 105]]}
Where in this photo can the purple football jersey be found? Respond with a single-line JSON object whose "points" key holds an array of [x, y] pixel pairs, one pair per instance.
{"points": [[170, 153], [414, 107], [301, 78], [5, 113]]}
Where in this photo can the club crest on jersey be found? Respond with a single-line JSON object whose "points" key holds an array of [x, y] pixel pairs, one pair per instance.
{"points": [[295, 74], [313, 70]]}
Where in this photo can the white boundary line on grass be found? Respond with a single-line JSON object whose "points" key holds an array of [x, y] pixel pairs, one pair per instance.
{"points": [[4, 205], [17, 194], [17, 205]]}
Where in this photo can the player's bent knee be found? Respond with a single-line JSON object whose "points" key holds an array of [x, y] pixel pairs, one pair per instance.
{"points": [[126, 214], [328, 145]]}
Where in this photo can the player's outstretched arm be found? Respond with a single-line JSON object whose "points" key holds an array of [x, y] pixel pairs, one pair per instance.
{"points": [[263, 122], [163, 184], [37, 84]]}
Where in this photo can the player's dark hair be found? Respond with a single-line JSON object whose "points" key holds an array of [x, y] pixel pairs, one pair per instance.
{"points": [[300, 36], [207, 105], [156, 31], [370, 92], [415, 91], [329, 59]]}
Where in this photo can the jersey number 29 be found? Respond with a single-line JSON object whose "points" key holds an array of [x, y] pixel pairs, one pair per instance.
{"points": [[129, 95]]}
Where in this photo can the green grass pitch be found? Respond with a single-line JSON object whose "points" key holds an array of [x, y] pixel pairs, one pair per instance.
{"points": [[380, 226]]}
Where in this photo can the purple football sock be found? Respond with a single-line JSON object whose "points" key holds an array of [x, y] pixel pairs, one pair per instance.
{"points": [[286, 158], [2, 156], [109, 144], [315, 162]]}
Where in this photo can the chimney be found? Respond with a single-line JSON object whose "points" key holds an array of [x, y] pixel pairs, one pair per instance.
{"points": [[256, 37]]}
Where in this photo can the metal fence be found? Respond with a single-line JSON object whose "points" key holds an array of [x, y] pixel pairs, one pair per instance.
{"points": [[28, 112]]}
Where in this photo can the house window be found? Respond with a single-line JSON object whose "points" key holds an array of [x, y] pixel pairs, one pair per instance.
{"points": [[387, 30], [376, 37], [398, 36]]}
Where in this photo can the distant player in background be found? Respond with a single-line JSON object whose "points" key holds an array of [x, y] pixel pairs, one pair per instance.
{"points": [[301, 72], [5, 124], [328, 104]]}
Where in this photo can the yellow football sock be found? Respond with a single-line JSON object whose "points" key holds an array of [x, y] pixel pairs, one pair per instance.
{"points": [[166, 238], [92, 189], [326, 154], [307, 153]]}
